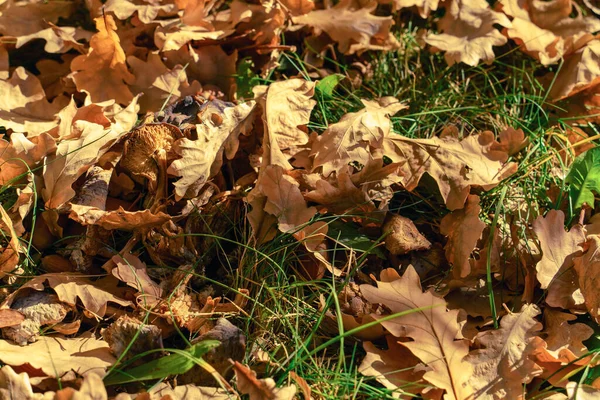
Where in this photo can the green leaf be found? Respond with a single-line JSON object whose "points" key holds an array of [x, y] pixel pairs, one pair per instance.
{"points": [[584, 178], [326, 85], [175, 364]]}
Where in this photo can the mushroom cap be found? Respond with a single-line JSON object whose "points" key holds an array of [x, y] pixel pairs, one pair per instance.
{"points": [[143, 144]]}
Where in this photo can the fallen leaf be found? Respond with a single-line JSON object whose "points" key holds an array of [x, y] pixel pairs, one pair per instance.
{"points": [[586, 267], [432, 328], [59, 39], [131, 270], [146, 13], [355, 136], [102, 72], [468, 33], [341, 198], [286, 108], [455, 165], [260, 389], [564, 340], [117, 219], [9, 258], [501, 361], [463, 229], [22, 154], [9, 317], [395, 368], [425, 7], [55, 355], [404, 236], [580, 391], [355, 30], [555, 270], [18, 18], [18, 386]]}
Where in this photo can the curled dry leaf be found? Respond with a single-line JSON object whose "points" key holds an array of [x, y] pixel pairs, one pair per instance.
{"points": [[10, 254], [16, 386], [555, 270], [587, 267], [146, 13], [404, 236], [463, 229], [468, 32], [260, 389], [56, 356], [19, 18], [455, 165], [131, 270], [128, 337], [341, 198], [355, 29], [502, 362], [580, 72], [117, 219], [432, 328], [286, 108], [102, 72], [355, 136], [59, 39]]}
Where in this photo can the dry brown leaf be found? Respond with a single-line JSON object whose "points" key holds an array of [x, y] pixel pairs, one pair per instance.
{"points": [[16, 386], [146, 13], [175, 35], [468, 33], [59, 39], [355, 30], [3, 63], [355, 136], [218, 136], [159, 84], [131, 270], [578, 391], [286, 108], [19, 18], [425, 7], [395, 368], [55, 355], [581, 71], [403, 236], [22, 154], [341, 198], [298, 7], [117, 219], [587, 267], [9, 317], [565, 341], [432, 328], [463, 229], [512, 141], [502, 362], [23, 105], [555, 270], [69, 288], [260, 389], [455, 165], [102, 72], [9, 258]]}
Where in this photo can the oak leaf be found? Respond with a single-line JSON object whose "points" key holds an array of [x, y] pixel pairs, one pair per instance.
{"points": [[587, 267], [455, 165], [298, 7], [55, 355], [354, 136], [117, 219], [355, 30], [463, 229], [260, 389], [502, 362], [17, 386], [9, 257], [468, 33], [22, 154], [579, 72], [103, 72], [173, 36], [218, 137], [159, 84], [555, 270], [146, 13], [286, 108], [69, 288], [59, 39], [20, 18], [432, 328], [564, 340], [23, 104], [342, 197], [394, 368], [131, 270]]}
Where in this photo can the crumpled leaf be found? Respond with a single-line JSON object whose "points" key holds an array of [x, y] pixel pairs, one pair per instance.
{"points": [[355, 136], [260, 389], [403, 236], [432, 328], [355, 30], [117, 219], [286, 108], [131, 270], [555, 270], [56, 355], [103, 72], [501, 363], [218, 136], [468, 33], [463, 229], [455, 165]]}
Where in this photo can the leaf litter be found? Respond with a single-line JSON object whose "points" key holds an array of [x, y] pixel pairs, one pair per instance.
{"points": [[137, 180]]}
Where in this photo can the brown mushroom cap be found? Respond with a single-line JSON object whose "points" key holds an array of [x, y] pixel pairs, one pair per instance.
{"points": [[143, 144]]}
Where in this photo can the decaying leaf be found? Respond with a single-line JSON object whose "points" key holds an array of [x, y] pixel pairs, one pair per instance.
{"points": [[587, 268], [404, 236], [502, 362], [432, 328]]}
